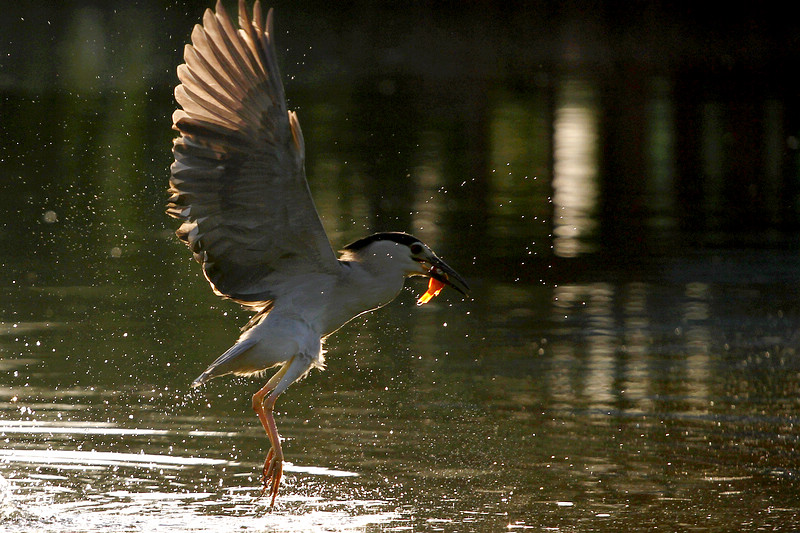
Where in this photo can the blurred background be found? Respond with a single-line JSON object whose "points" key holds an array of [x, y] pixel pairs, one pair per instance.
{"points": [[619, 182]]}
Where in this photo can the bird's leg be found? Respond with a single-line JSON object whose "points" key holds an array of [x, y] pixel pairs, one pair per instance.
{"points": [[263, 406], [258, 398], [273, 464], [268, 422]]}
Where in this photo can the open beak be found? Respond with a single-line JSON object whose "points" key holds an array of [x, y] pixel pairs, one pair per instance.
{"points": [[441, 274]]}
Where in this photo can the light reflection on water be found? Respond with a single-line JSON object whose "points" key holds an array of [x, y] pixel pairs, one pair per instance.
{"points": [[39, 503], [77, 490], [575, 172]]}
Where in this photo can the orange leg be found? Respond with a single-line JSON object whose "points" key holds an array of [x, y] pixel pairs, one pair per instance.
{"points": [[263, 404], [273, 466]]}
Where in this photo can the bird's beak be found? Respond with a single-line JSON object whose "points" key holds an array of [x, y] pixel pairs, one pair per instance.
{"points": [[441, 271], [441, 274]]}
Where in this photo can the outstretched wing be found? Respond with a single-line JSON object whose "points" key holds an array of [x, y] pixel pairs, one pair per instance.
{"points": [[238, 180]]}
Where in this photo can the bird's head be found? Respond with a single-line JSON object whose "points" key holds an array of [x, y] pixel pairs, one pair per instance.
{"points": [[401, 252]]}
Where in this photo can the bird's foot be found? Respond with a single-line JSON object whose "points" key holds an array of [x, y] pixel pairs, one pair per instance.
{"points": [[271, 477]]}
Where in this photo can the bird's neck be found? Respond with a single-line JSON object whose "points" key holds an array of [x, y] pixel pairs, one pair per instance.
{"points": [[363, 287]]}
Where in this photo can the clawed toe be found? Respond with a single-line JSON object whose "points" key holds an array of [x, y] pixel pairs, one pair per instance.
{"points": [[272, 473]]}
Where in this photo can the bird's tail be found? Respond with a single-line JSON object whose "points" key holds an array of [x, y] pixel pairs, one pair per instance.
{"points": [[221, 366], [202, 378]]}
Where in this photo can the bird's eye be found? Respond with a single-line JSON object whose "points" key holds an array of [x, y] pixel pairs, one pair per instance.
{"points": [[416, 248]]}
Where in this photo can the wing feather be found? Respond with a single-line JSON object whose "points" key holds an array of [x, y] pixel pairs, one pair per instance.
{"points": [[238, 182]]}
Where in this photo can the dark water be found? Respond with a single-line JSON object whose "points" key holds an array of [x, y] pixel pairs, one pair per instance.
{"points": [[628, 359]]}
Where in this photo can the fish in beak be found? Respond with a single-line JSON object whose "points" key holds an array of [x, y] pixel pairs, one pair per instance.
{"points": [[440, 275]]}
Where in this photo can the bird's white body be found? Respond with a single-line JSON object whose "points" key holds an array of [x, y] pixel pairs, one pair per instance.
{"points": [[282, 335], [312, 308]]}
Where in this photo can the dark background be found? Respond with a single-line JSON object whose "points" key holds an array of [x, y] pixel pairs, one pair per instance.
{"points": [[73, 72]]}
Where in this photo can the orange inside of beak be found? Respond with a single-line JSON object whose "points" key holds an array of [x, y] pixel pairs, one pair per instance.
{"points": [[434, 288]]}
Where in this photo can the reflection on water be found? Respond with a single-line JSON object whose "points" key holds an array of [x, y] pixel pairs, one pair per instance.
{"points": [[629, 360], [38, 503], [61, 459], [574, 168], [656, 393], [661, 155]]}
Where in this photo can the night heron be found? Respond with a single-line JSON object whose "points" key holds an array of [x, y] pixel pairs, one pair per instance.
{"points": [[238, 184]]}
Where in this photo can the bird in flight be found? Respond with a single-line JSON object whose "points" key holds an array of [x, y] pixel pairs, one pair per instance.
{"points": [[238, 185]]}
